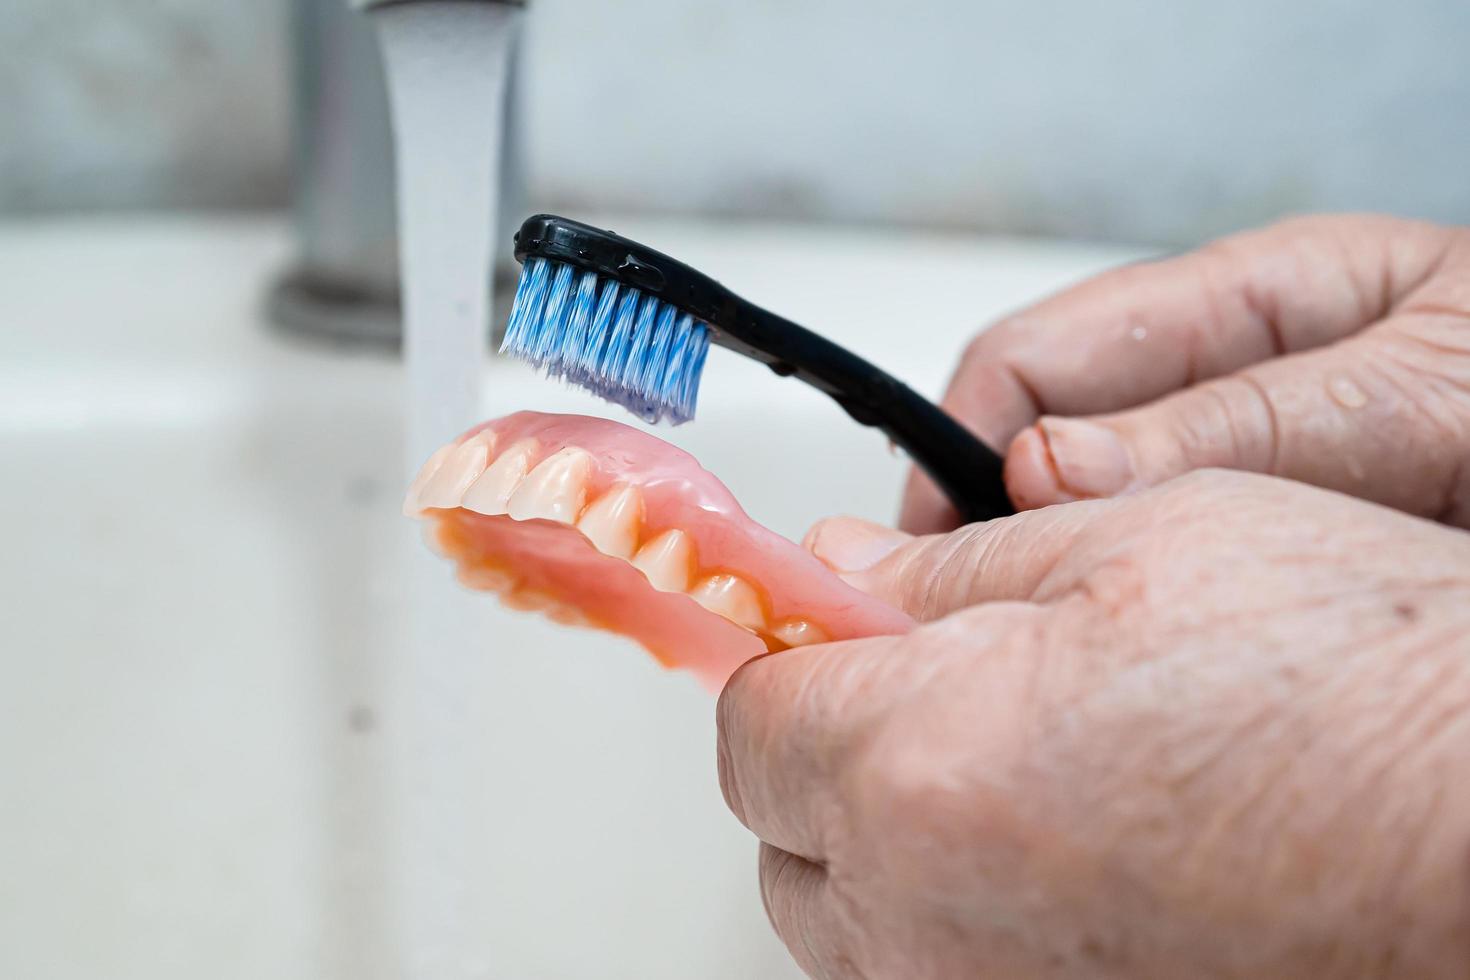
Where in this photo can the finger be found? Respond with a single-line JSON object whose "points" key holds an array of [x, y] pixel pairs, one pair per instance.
{"points": [[793, 891], [1140, 332], [1028, 557], [1370, 416], [787, 724], [851, 544]]}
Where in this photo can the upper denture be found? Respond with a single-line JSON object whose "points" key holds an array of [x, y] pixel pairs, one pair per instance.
{"points": [[660, 550]]}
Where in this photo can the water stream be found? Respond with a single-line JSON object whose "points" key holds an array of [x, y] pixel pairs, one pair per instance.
{"points": [[446, 66]]}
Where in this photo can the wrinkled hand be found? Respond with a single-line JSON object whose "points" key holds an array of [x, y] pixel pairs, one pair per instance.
{"points": [[1217, 728], [1330, 350]]}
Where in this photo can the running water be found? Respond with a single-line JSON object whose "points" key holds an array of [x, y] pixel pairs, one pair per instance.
{"points": [[446, 67], [446, 63]]}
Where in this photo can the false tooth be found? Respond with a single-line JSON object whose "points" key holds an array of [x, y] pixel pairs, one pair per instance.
{"points": [[611, 522], [799, 633], [555, 490], [460, 470], [665, 561], [411, 505], [732, 597], [492, 491]]}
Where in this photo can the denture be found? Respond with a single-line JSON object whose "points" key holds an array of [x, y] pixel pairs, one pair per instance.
{"points": [[593, 523]]}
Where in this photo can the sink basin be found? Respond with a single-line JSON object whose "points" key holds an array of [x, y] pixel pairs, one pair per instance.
{"points": [[207, 721]]}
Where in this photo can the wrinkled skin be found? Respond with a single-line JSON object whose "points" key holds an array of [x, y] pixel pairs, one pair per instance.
{"points": [[1331, 350], [1214, 727], [1130, 743]]}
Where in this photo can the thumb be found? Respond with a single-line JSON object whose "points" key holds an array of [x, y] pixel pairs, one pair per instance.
{"points": [[1029, 556], [1353, 417]]}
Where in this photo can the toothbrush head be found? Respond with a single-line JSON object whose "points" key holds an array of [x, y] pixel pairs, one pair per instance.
{"points": [[611, 338]]}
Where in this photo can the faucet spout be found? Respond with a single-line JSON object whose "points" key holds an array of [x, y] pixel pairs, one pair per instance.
{"points": [[342, 283]]}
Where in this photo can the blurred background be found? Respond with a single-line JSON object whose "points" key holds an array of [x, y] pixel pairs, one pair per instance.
{"points": [[227, 748], [1141, 120]]}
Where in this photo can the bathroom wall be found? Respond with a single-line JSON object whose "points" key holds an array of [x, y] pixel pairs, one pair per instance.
{"points": [[1144, 120], [142, 103]]}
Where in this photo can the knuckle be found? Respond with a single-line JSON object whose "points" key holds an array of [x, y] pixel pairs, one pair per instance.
{"points": [[776, 890], [932, 576], [979, 350], [1426, 366], [789, 891], [994, 353], [989, 343], [979, 361], [1235, 420], [1256, 425], [907, 577], [773, 865]]}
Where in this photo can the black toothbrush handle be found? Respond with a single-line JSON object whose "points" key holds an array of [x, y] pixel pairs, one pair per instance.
{"points": [[964, 467]]}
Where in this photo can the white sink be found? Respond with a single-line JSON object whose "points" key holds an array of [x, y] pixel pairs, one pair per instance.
{"points": [[206, 589]]}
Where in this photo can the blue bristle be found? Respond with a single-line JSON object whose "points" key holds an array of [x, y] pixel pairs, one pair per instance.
{"points": [[607, 377], [552, 330], [579, 364], [656, 357], [579, 324], [689, 393], [525, 309], [628, 347], [630, 372]]}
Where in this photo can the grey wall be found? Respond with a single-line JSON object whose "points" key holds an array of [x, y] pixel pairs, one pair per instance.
{"points": [[128, 103], [1138, 119]]}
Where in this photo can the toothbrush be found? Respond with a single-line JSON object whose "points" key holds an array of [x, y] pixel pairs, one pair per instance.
{"points": [[634, 326]]}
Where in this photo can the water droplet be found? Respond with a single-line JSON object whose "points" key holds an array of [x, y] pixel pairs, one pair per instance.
{"points": [[1139, 333], [1346, 393]]}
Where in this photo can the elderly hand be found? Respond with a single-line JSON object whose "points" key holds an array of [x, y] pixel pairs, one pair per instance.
{"points": [[1217, 728], [1331, 350]]}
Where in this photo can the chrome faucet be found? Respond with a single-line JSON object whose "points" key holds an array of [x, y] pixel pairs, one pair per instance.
{"points": [[343, 281]]}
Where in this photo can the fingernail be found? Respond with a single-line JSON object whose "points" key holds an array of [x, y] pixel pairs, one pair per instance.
{"points": [[847, 544], [1089, 459]]}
